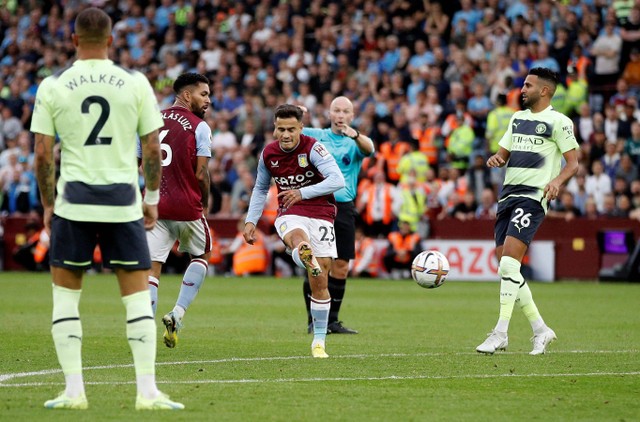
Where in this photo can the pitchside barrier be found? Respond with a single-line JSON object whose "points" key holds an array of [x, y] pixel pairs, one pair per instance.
{"points": [[561, 250]]}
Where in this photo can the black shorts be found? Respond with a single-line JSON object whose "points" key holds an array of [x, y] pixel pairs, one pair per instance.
{"points": [[518, 217], [123, 245], [345, 227]]}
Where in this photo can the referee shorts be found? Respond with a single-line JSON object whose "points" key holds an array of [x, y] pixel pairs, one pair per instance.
{"points": [[345, 226]]}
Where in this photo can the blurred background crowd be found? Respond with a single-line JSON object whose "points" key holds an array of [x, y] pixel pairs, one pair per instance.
{"points": [[433, 83]]}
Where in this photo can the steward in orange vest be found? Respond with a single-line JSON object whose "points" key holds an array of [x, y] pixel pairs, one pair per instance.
{"points": [[404, 246], [375, 206], [249, 259], [367, 260]]}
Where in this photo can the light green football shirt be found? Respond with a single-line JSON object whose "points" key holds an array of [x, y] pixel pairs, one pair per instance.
{"points": [[536, 142], [97, 108]]}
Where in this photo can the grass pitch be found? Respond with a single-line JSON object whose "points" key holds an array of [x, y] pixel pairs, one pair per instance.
{"points": [[244, 354]]}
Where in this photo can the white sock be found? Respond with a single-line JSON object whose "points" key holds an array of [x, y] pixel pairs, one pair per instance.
{"points": [[178, 311], [154, 284], [191, 282], [295, 255], [141, 333], [320, 314], [66, 331], [510, 281]]}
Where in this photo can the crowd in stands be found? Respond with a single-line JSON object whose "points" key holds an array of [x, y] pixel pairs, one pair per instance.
{"points": [[433, 84]]}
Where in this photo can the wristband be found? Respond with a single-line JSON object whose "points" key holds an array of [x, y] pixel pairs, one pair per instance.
{"points": [[355, 138], [152, 197]]}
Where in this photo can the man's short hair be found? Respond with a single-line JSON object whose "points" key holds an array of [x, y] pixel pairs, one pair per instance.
{"points": [[92, 26], [546, 74], [285, 111], [188, 79]]}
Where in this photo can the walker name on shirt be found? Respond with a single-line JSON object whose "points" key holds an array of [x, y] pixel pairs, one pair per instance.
{"points": [[180, 118], [102, 78]]}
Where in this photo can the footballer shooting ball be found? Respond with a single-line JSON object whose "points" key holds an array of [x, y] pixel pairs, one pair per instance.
{"points": [[430, 269]]}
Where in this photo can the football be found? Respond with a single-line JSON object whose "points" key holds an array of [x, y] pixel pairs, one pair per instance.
{"points": [[430, 269]]}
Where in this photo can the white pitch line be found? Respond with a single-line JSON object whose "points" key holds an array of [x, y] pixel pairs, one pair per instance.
{"points": [[7, 377], [385, 378]]}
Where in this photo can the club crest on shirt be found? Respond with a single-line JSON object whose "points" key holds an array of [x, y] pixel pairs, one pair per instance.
{"points": [[541, 128], [302, 160], [320, 149]]}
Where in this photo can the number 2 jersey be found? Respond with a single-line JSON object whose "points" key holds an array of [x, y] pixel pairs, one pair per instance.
{"points": [[97, 108], [308, 167]]}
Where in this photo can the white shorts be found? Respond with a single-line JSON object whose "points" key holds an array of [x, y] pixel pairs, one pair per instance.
{"points": [[194, 238], [320, 232]]}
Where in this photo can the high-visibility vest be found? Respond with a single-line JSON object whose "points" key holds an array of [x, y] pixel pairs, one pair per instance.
{"points": [[577, 94], [403, 243], [216, 249], [427, 143], [251, 259], [497, 123], [270, 212], [461, 145], [361, 246], [41, 248], [392, 155], [414, 206], [559, 100], [387, 199], [415, 163]]}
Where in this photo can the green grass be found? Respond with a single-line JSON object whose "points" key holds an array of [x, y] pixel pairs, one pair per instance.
{"points": [[244, 354]]}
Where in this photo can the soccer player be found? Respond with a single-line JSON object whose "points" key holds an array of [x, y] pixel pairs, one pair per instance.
{"points": [[185, 140], [306, 176], [349, 147], [96, 108], [532, 148]]}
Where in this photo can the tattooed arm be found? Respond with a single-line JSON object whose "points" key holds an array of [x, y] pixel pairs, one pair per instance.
{"points": [[151, 164], [45, 168]]}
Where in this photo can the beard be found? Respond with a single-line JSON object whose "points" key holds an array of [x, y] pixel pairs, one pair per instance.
{"points": [[199, 112], [529, 101]]}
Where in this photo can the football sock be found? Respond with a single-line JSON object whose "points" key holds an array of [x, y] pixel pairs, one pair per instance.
{"points": [[337, 287], [154, 283], [510, 281], [295, 255], [306, 291], [529, 308], [66, 331], [191, 282], [320, 314], [141, 333]]}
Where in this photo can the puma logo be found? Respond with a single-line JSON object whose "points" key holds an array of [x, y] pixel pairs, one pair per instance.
{"points": [[518, 227], [515, 125], [74, 336], [141, 339]]}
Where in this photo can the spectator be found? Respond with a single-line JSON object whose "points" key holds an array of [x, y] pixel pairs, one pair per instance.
{"points": [[404, 246], [598, 184], [488, 207]]}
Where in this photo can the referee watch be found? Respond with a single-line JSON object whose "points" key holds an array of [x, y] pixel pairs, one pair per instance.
{"points": [[355, 138]]}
